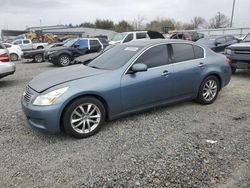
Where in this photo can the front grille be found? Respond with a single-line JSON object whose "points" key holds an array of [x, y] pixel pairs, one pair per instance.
{"points": [[27, 95], [242, 52]]}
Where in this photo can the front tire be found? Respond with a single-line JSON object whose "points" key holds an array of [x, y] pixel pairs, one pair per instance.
{"points": [[83, 117], [208, 90], [64, 60]]}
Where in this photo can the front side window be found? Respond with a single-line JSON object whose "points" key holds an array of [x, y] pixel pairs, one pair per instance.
{"points": [[18, 42], [26, 41], [154, 57], [129, 38], [182, 52], [82, 44]]}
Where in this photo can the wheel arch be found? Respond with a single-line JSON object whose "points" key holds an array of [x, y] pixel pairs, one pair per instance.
{"points": [[99, 97]]}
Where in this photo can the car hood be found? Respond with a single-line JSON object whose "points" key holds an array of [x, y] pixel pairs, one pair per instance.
{"points": [[52, 78], [240, 46]]}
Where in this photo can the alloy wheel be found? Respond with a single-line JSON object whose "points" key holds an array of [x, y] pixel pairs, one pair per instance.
{"points": [[85, 118], [64, 60], [210, 90]]}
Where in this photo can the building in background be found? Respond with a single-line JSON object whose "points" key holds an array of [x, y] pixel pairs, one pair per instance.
{"points": [[60, 31]]}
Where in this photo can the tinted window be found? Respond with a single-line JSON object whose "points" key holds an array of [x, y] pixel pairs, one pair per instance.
{"points": [[221, 40], [82, 44], [198, 51], [26, 41], [94, 43], [129, 38], [18, 42], [114, 57], [141, 35], [154, 57], [182, 52], [103, 41]]}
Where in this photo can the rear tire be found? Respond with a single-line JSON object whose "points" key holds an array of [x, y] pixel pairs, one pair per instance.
{"points": [[13, 57], [208, 91], [39, 58], [64, 60], [83, 117]]}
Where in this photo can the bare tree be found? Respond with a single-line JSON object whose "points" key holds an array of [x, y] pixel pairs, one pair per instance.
{"points": [[197, 22], [219, 21], [138, 23]]}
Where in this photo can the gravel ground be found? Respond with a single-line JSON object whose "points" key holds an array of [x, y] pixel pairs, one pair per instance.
{"points": [[164, 147]]}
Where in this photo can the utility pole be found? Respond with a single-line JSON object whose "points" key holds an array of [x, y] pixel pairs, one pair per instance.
{"points": [[232, 16], [218, 25]]}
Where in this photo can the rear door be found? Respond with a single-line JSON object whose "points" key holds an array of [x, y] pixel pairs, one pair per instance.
{"points": [[154, 85], [188, 65]]}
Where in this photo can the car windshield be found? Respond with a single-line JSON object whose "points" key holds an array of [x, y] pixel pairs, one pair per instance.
{"points": [[119, 36], [247, 38], [70, 42], [207, 41], [114, 57]]}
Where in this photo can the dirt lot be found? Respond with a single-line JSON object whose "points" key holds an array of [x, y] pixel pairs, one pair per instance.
{"points": [[164, 147]]}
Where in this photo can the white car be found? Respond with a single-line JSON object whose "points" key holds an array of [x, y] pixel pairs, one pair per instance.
{"points": [[27, 44], [6, 67], [15, 51], [135, 35]]}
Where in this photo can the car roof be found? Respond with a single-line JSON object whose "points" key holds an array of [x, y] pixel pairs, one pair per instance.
{"points": [[218, 36], [148, 42]]}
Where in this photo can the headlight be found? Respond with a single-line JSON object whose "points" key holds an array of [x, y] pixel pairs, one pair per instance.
{"points": [[228, 51], [49, 98]]}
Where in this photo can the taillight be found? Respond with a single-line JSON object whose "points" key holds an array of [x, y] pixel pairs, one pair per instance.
{"points": [[4, 58], [228, 61]]}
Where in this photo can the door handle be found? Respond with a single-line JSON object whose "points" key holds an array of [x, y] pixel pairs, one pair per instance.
{"points": [[165, 73], [201, 64]]}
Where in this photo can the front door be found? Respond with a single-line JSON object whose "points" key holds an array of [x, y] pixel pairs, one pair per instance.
{"points": [[142, 89]]}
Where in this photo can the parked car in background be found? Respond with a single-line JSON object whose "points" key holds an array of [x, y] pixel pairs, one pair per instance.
{"points": [[239, 54], [6, 67], [38, 55], [15, 51], [192, 36], [127, 78], [27, 44], [218, 43], [64, 55], [135, 35]]}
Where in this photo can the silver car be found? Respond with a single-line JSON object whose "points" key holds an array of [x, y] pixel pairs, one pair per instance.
{"points": [[6, 67]]}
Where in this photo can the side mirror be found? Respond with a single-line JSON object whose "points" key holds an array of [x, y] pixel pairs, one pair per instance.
{"points": [[76, 45], [139, 67]]}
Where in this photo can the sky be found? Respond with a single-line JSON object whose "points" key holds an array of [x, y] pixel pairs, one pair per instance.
{"points": [[19, 14]]}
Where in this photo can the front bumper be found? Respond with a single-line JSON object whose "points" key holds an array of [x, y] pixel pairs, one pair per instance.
{"points": [[43, 118], [7, 69]]}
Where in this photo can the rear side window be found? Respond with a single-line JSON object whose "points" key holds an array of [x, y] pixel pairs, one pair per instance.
{"points": [[182, 52], [198, 52], [141, 35], [94, 43], [154, 57], [18, 42]]}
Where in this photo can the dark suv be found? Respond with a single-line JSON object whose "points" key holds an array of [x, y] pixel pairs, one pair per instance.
{"points": [[218, 43], [65, 54], [192, 36], [239, 54]]}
